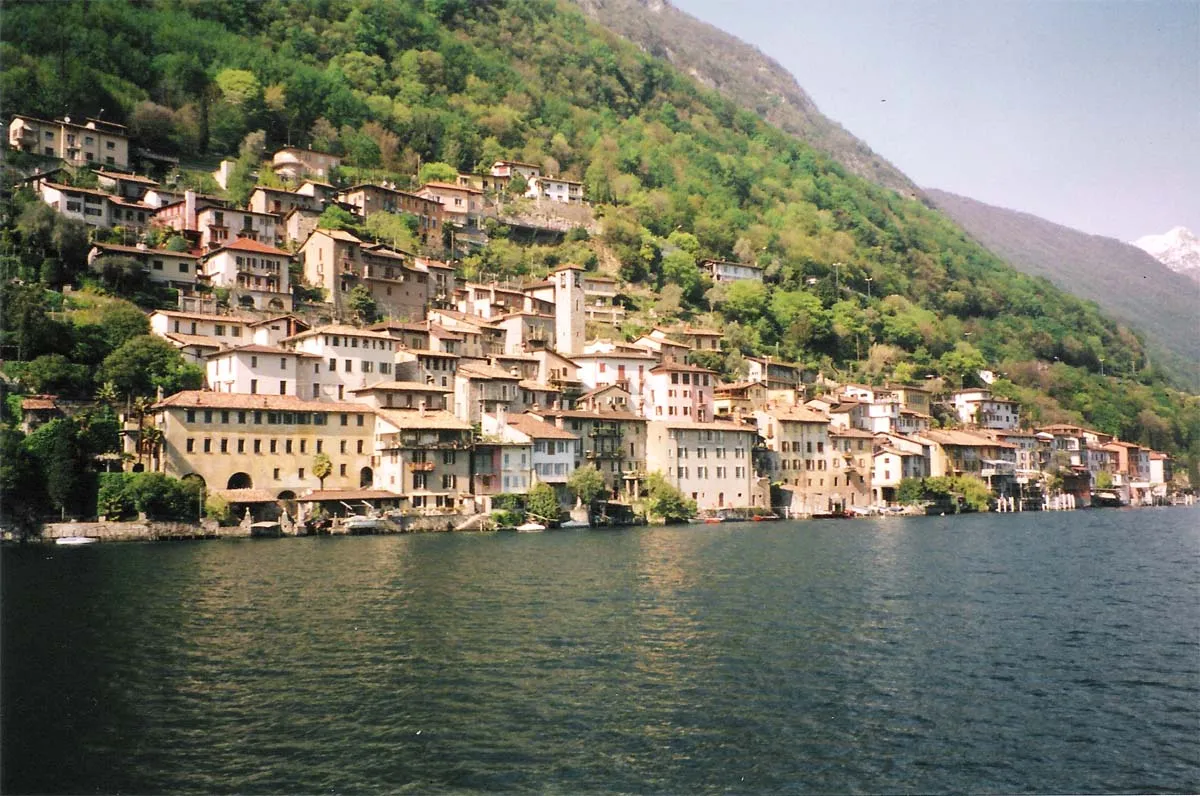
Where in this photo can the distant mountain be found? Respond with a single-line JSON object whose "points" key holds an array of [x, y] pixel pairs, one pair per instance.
{"points": [[1178, 250], [745, 75], [1125, 281]]}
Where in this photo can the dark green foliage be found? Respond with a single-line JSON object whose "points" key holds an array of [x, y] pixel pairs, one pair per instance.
{"points": [[158, 496], [666, 502], [145, 363], [541, 503]]}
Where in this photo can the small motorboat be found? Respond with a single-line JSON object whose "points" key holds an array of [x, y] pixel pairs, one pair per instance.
{"points": [[531, 527], [765, 517], [574, 524], [75, 540]]}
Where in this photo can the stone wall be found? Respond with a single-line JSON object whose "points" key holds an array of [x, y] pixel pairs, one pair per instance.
{"points": [[140, 531]]}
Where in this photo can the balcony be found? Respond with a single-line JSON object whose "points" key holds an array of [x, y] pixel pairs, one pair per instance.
{"points": [[420, 467], [604, 454], [613, 432]]}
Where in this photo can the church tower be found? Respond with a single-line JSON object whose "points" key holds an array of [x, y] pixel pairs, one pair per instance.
{"points": [[569, 315]]}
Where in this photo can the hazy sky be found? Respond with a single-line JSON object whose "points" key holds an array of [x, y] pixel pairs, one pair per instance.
{"points": [[1084, 113]]}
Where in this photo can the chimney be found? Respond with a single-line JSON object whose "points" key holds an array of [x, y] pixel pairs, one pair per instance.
{"points": [[514, 371], [501, 418], [189, 209]]}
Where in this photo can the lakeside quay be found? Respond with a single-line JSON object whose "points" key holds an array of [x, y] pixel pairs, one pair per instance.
{"points": [[153, 531]]}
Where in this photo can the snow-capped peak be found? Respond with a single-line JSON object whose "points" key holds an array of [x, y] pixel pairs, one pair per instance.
{"points": [[1178, 249]]}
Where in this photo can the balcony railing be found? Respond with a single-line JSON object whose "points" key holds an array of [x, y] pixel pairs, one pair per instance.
{"points": [[604, 454], [420, 467], [605, 431]]}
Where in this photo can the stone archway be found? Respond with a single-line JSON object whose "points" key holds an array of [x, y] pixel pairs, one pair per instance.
{"points": [[246, 302], [366, 478], [239, 481], [286, 494], [275, 304]]}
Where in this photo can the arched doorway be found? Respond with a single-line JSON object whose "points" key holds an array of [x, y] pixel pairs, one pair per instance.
{"points": [[239, 481], [366, 478], [286, 494], [275, 304], [246, 302]]}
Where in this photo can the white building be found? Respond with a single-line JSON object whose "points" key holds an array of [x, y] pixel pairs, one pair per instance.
{"points": [[555, 189], [980, 408], [570, 318], [255, 369], [709, 462], [348, 358], [174, 269], [255, 273], [722, 271]]}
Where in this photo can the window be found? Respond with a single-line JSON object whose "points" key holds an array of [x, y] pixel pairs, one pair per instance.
{"points": [[191, 445], [157, 265], [360, 419], [287, 446], [258, 446], [274, 446], [183, 268], [283, 388], [301, 473], [208, 446], [224, 446], [254, 388], [190, 414], [275, 473], [448, 457], [342, 470], [360, 446], [303, 445], [342, 447]]}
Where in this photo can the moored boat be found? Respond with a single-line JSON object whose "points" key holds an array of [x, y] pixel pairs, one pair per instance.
{"points": [[75, 540]]}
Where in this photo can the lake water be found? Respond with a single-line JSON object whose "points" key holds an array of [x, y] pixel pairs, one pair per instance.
{"points": [[1052, 652]]}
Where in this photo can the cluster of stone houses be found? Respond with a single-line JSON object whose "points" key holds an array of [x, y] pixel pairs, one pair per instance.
{"points": [[469, 389]]}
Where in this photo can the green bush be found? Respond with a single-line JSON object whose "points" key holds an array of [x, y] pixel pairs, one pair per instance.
{"points": [[158, 496]]}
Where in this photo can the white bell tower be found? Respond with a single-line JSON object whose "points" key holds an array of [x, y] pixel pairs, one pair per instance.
{"points": [[569, 314]]}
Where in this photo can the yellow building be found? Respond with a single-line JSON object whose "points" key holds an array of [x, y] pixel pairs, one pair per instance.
{"points": [[93, 143], [265, 442]]}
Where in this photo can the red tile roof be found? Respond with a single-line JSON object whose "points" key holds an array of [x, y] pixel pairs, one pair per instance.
{"points": [[249, 245]]}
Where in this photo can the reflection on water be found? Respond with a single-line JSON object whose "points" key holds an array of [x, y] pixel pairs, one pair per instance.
{"points": [[989, 653]]}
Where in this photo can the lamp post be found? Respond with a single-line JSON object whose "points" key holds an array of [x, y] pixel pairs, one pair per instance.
{"points": [[870, 279], [1101, 367], [836, 286]]}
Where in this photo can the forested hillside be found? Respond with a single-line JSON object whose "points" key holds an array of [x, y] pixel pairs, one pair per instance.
{"points": [[1124, 280], [678, 173]]}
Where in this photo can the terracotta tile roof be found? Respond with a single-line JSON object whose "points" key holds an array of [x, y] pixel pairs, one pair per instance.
{"points": [[198, 340], [204, 316], [737, 385], [136, 250], [443, 186], [39, 402], [117, 175], [674, 367], [584, 414], [341, 329], [254, 348], [429, 419], [317, 495], [796, 414], [427, 352], [404, 386], [533, 428], [535, 386], [857, 433], [249, 245], [205, 399], [404, 326], [480, 371], [715, 425], [945, 436]]}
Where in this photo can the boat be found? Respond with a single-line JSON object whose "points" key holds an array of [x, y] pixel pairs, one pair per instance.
{"points": [[765, 517], [531, 527], [574, 524], [358, 524], [75, 540]]}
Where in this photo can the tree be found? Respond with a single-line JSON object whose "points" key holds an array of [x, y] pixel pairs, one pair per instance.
{"points": [[143, 364], [666, 502], [22, 487], [335, 217], [54, 373], [518, 185], [437, 172], [124, 276], [322, 467], [362, 305], [542, 503], [587, 483]]}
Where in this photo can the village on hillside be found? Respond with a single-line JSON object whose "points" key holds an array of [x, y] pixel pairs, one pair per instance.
{"points": [[463, 393]]}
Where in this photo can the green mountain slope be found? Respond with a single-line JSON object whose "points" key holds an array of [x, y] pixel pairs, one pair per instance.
{"points": [[1124, 280], [744, 74], [677, 171]]}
